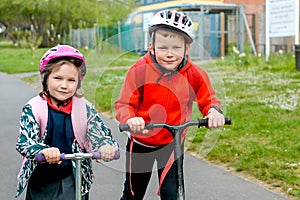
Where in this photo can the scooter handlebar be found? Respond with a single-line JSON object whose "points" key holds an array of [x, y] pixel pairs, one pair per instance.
{"points": [[200, 122], [94, 155]]}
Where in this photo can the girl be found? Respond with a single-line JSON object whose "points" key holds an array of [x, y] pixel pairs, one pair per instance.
{"points": [[60, 120]]}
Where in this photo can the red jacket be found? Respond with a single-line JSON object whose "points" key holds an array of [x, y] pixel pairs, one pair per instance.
{"points": [[167, 98]]}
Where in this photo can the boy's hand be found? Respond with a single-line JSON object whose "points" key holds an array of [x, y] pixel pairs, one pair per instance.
{"points": [[52, 155], [107, 152], [137, 125], [215, 118]]}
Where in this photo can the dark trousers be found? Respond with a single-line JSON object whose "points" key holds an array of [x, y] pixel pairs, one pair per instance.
{"points": [[142, 160], [60, 190]]}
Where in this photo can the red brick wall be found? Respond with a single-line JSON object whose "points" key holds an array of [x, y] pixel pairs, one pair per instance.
{"points": [[256, 8], [250, 6]]}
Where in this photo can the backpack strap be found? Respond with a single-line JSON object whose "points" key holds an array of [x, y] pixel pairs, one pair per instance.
{"points": [[80, 122], [79, 119], [40, 111]]}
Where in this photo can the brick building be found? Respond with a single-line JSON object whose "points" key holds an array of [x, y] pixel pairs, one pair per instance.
{"points": [[255, 15]]}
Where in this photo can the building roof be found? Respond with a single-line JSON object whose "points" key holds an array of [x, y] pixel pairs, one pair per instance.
{"points": [[185, 4]]}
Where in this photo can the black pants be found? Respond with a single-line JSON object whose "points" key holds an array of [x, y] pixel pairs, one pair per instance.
{"points": [[142, 159]]}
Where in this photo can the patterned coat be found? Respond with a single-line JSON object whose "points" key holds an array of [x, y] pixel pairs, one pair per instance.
{"points": [[30, 142]]}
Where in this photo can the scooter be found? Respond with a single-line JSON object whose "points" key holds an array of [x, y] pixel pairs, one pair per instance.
{"points": [[176, 131], [78, 157]]}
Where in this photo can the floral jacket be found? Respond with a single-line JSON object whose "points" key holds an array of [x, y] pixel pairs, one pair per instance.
{"points": [[30, 143]]}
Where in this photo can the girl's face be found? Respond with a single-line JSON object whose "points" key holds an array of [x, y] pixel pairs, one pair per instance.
{"points": [[62, 82], [169, 48]]}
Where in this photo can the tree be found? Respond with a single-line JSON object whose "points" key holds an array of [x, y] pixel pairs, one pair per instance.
{"points": [[33, 23]]}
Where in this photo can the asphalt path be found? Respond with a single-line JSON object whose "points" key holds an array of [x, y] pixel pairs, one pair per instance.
{"points": [[203, 181]]}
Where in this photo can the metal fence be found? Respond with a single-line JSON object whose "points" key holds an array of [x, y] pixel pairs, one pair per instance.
{"points": [[216, 27]]}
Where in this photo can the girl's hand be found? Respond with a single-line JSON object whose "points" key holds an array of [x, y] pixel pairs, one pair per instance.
{"points": [[52, 155], [215, 118], [107, 152], [137, 125]]}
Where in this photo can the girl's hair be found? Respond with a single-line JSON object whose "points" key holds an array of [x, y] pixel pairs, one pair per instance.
{"points": [[55, 64]]}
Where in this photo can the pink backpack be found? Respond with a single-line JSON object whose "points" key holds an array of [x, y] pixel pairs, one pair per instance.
{"points": [[78, 116]]}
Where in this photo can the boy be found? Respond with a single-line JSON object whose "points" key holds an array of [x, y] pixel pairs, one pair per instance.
{"points": [[160, 88]]}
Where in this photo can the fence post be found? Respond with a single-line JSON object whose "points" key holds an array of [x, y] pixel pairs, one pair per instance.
{"points": [[297, 56]]}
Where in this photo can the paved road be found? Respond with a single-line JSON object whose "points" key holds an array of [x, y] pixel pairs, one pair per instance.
{"points": [[203, 180]]}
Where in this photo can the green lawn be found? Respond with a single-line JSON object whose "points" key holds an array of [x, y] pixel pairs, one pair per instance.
{"points": [[263, 142]]}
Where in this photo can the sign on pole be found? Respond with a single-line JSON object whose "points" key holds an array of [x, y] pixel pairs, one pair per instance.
{"points": [[282, 20]]}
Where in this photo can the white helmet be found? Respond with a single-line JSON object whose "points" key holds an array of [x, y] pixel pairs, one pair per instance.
{"points": [[174, 20]]}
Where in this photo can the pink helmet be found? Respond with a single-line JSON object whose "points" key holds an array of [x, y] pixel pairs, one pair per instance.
{"points": [[174, 20], [61, 51]]}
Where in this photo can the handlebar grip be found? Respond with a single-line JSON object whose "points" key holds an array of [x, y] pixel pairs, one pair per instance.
{"points": [[97, 155], [117, 155], [41, 158], [204, 122], [124, 127], [228, 120]]}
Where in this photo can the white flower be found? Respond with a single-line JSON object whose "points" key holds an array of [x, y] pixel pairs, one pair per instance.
{"points": [[292, 164], [242, 55], [235, 50]]}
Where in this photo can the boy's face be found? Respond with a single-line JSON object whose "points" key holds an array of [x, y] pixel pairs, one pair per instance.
{"points": [[170, 49]]}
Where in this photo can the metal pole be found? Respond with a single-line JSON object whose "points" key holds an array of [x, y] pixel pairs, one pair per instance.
{"points": [[249, 34], [178, 155], [78, 159], [297, 22], [201, 28], [241, 28], [267, 25]]}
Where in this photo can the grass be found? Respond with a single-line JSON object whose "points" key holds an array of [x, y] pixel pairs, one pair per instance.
{"points": [[19, 60], [263, 100], [263, 142]]}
